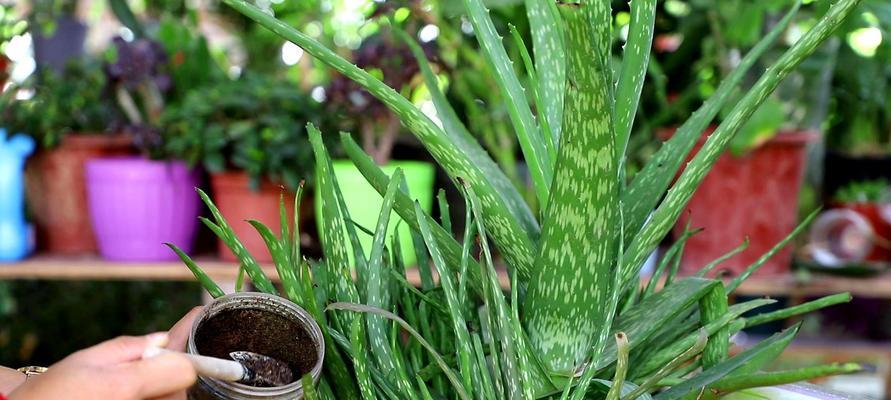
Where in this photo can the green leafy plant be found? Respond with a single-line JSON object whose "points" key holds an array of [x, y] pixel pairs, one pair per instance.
{"points": [[575, 323], [254, 124], [874, 191], [73, 102]]}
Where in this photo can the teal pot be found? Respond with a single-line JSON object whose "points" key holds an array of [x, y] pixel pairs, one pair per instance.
{"points": [[364, 203]]}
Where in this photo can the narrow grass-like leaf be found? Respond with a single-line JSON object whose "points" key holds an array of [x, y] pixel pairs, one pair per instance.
{"points": [[296, 254], [711, 375], [668, 257], [456, 310], [550, 62], [776, 378], [453, 379], [669, 210], [644, 319], [499, 317], [528, 135], [798, 310], [209, 285], [645, 191], [710, 266], [635, 58], [224, 232], [663, 372], [488, 388], [739, 279], [666, 354], [578, 245]]}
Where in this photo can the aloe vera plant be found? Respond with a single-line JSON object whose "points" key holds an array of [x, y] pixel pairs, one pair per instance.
{"points": [[576, 323]]}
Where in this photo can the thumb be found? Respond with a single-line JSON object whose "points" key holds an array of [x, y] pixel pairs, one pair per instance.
{"points": [[120, 349], [162, 375]]}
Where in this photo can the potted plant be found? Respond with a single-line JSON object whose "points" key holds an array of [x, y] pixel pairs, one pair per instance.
{"points": [[141, 191], [68, 115], [57, 33], [761, 177], [249, 134], [15, 238], [575, 324], [379, 130]]}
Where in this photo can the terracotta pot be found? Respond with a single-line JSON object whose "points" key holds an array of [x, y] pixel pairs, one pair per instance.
{"points": [[754, 196], [57, 194], [232, 194]]}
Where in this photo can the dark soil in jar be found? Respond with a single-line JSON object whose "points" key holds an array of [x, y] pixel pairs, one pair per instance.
{"points": [[258, 331]]}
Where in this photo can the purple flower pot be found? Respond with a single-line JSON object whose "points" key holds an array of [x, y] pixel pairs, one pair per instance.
{"points": [[136, 205]]}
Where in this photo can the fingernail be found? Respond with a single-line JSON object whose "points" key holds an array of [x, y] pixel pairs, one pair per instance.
{"points": [[158, 339]]}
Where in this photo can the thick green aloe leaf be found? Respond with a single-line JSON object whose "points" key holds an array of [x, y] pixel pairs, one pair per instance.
{"points": [[360, 360], [712, 307], [508, 217], [212, 288], [550, 62], [636, 57], [281, 257], [222, 229], [377, 293], [529, 136], [404, 206], [667, 212], [698, 383], [645, 191], [336, 250], [578, 246]]}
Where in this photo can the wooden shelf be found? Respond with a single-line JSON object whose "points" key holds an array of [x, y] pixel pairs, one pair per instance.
{"points": [[94, 268]]}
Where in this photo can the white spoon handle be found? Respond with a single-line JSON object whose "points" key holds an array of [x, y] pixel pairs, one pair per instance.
{"points": [[218, 368]]}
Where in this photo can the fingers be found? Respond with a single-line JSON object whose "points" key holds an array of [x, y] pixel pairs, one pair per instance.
{"points": [[179, 333], [10, 379], [120, 349], [163, 375]]}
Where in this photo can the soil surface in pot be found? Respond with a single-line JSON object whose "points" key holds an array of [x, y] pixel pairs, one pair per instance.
{"points": [[260, 332]]}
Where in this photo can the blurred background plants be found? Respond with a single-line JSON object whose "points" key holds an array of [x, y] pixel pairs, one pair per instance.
{"points": [[73, 102], [255, 123]]}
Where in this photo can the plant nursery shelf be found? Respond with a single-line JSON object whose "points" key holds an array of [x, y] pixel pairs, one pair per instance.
{"points": [[93, 268]]}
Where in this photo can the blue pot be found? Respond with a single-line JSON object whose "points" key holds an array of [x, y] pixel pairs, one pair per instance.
{"points": [[15, 236]]}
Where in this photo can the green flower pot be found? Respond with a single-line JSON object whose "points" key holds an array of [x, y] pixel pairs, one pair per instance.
{"points": [[364, 203]]}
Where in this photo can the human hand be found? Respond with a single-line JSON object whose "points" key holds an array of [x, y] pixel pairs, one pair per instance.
{"points": [[113, 370], [179, 333], [10, 379]]}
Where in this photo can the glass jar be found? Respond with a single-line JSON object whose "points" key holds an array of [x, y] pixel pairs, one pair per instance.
{"points": [[264, 324]]}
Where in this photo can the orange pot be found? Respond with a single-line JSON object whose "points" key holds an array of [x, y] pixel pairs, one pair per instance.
{"points": [[754, 196], [232, 194], [57, 194]]}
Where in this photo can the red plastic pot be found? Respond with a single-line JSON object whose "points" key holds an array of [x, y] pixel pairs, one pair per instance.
{"points": [[57, 193], [238, 203], [754, 196]]}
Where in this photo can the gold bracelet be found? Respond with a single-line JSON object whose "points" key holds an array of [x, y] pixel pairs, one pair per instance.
{"points": [[32, 371]]}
